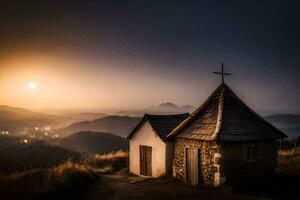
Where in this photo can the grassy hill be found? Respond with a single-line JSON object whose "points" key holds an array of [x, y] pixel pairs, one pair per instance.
{"points": [[119, 125], [94, 142], [66, 181], [16, 156]]}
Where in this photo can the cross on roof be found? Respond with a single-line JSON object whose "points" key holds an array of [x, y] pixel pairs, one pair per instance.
{"points": [[222, 73]]}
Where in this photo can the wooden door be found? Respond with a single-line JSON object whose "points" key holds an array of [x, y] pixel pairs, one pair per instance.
{"points": [[145, 160], [192, 166]]}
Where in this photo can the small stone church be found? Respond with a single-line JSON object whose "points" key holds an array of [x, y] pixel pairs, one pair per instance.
{"points": [[223, 140]]}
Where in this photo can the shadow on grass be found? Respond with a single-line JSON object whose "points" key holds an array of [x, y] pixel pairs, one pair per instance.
{"points": [[282, 186]]}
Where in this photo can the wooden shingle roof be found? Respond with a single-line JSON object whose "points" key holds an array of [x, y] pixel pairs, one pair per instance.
{"points": [[161, 124], [225, 117]]}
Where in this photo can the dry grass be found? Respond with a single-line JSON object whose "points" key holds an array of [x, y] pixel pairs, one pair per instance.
{"points": [[112, 155], [67, 181], [108, 163], [289, 161], [289, 153], [20, 157]]}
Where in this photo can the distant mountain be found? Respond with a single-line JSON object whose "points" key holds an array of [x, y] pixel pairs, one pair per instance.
{"points": [[284, 118], [119, 125], [76, 117], [170, 108], [16, 120], [288, 123], [94, 142], [188, 107], [168, 105], [8, 113], [162, 109]]}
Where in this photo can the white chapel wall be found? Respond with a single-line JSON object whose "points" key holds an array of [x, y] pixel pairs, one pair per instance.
{"points": [[146, 136]]}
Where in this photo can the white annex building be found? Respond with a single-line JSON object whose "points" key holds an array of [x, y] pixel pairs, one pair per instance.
{"points": [[150, 152]]}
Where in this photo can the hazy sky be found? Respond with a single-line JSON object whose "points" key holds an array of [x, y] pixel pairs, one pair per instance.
{"points": [[135, 54]]}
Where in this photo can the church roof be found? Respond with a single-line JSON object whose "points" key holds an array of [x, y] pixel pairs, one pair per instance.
{"points": [[225, 117], [161, 124]]}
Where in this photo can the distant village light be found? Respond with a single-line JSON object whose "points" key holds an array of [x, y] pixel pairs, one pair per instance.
{"points": [[47, 128], [5, 133]]}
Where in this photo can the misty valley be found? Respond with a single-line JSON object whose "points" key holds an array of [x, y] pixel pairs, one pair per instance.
{"points": [[92, 145]]}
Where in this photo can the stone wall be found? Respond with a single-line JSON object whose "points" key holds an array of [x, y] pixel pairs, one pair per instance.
{"points": [[235, 166], [233, 163], [208, 149]]}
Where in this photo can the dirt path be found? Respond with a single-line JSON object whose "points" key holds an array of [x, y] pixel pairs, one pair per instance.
{"points": [[114, 187]]}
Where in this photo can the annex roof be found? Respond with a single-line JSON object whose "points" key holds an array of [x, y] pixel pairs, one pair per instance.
{"points": [[161, 124]]}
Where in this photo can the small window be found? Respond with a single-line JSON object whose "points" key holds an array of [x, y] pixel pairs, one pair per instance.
{"points": [[251, 153], [217, 159]]}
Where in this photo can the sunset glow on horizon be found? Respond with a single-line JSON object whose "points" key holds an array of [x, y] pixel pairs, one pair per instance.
{"points": [[62, 84], [67, 85]]}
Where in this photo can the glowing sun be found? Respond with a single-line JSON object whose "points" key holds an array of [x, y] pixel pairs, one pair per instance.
{"points": [[31, 85]]}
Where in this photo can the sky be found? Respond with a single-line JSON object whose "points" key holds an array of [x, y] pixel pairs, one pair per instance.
{"points": [[94, 55]]}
